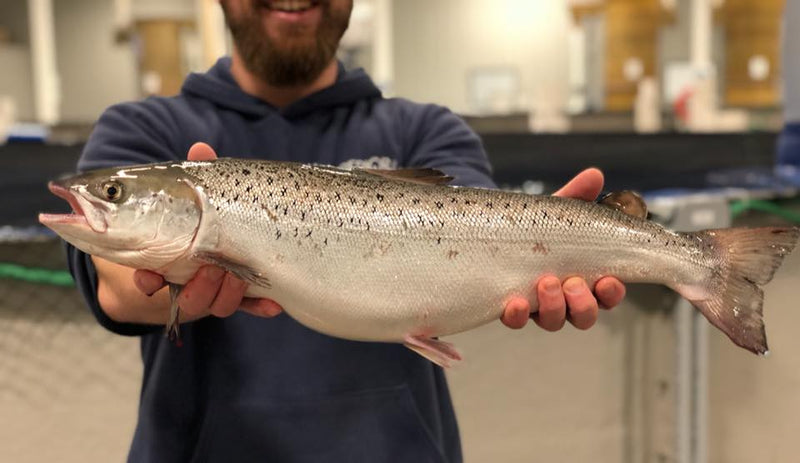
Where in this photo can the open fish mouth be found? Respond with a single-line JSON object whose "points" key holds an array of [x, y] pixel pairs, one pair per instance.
{"points": [[77, 217]]}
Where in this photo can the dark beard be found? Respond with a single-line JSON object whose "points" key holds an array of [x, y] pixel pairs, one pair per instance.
{"points": [[292, 65]]}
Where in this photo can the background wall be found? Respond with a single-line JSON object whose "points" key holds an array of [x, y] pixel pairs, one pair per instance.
{"points": [[438, 43], [95, 72]]}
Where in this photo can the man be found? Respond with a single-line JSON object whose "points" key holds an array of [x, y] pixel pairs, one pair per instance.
{"points": [[248, 387]]}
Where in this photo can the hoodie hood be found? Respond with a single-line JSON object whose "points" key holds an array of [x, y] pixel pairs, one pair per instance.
{"points": [[218, 86]]}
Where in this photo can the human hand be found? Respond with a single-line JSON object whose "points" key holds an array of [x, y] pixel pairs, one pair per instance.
{"points": [[571, 299], [212, 290]]}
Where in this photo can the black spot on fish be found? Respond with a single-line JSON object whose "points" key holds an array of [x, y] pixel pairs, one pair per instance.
{"points": [[237, 182], [439, 240], [439, 204], [379, 196], [303, 215], [524, 205], [245, 172], [249, 187], [277, 234], [308, 235], [508, 205], [415, 201], [489, 205], [325, 242], [296, 232], [283, 191], [236, 198], [285, 210], [338, 196]]}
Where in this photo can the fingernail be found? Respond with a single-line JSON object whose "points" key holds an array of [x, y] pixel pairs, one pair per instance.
{"points": [[552, 286], [574, 286]]}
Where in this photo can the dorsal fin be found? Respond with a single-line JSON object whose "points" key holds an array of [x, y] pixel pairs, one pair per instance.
{"points": [[423, 176], [626, 201]]}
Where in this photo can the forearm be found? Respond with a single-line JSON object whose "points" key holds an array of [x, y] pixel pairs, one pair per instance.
{"points": [[122, 301]]}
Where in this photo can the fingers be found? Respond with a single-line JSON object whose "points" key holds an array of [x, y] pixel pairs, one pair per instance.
{"points": [[515, 315], [229, 296], [261, 307], [586, 185], [213, 291], [199, 293], [148, 282], [201, 152], [582, 304], [609, 291], [552, 305]]}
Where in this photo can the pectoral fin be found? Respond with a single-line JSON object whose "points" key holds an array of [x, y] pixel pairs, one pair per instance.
{"points": [[241, 270], [439, 352], [173, 324]]}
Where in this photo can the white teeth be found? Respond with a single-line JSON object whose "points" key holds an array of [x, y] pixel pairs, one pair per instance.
{"points": [[291, 5]]}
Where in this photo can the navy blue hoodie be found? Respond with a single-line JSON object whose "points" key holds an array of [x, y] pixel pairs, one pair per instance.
{"points": [[244, 388]]}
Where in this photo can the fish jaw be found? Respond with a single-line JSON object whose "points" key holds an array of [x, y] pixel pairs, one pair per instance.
{"points": [[74, 227]]}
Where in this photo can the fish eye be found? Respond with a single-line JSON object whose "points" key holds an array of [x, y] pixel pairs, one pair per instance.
{"points": [[112, 191]]}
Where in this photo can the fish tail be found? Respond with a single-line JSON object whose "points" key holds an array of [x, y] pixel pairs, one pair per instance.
{"points": [[746, 258]]}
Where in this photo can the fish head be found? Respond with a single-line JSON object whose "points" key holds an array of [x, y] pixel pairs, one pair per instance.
{"points": [[141, 216]]}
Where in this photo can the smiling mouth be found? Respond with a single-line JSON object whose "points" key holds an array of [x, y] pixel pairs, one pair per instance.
{"points": [[289, 6], [77, 217]]}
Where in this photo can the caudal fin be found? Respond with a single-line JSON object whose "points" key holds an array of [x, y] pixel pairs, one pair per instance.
{"points": [[747, 258]]}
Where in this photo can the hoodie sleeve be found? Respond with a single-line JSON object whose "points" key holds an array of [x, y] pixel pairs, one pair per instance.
{"points": [[132, 133], [443, 141]]}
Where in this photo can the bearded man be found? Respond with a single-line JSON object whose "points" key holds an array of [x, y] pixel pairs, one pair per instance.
{"points": [[248, 383]]}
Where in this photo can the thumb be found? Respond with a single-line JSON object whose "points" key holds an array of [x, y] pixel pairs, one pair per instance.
{"points": [[586, 185], [148, 282], [201, 152]]}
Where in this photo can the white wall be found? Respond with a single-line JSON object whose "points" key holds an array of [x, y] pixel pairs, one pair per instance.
{"points": [[94, 71], [437, 43], [15, 79]]}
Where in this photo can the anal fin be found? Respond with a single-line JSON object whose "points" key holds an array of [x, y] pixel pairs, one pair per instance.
{"points": [[439, 352]]}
